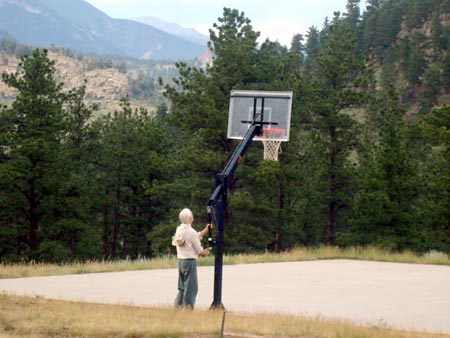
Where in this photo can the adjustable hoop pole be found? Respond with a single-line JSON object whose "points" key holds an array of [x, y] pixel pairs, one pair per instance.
{"points": [[217, 205], [217, 208]]}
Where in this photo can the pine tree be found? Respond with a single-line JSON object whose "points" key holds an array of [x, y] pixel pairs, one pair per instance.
{"points": [[434, 197], [341, 83], [445, 80], [312, 49], [353, 14], [431, 88], [75, 225], [438, 40], [133, 158], [385, 211], [413, 62], [32, 130], [275, 66], [418, 12], [373, 5], [234, 45], [297, 49]]}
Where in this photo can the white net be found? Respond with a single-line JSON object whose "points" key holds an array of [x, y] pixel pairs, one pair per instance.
{"points": [[271, 150]]}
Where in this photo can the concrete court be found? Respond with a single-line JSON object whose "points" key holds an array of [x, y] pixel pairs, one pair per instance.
{"points": [[406, 296]]}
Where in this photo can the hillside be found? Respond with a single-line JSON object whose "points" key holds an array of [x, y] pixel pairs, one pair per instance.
{"points": [[107, 81], [407, 43], [104, 86], [80, 26]]}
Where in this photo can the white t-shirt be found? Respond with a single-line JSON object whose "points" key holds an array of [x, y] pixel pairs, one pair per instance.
{"points": [[192, 246]]}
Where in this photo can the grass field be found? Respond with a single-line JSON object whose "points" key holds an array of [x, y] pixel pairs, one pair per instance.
{"points": [[35, 317], [40, 318], [299, 254]]}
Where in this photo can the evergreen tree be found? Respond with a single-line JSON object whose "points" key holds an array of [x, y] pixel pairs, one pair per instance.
{"points": [[445, 80], [431, 88], [133, 159], [438, 40], [312, 49], [31, 135], [74, 233], [297, 49], [434, 197], [385, 209], [380, 29], [340, 84], [413, 63], [234, 45], [353, 15], [275, 66], [418, 12], [373, 5]]}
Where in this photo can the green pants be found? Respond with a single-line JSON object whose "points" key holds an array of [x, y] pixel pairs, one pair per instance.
{"points": [[187, 283]]}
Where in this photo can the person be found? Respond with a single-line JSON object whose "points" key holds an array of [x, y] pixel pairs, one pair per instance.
{"points": [[188, 244]]}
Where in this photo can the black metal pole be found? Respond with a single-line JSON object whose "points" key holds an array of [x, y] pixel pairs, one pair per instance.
{"points": [[217, 205], [219, 210]]}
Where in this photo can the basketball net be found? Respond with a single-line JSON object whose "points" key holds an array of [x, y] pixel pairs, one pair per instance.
{"points": [[271, 150], [272, 147]]}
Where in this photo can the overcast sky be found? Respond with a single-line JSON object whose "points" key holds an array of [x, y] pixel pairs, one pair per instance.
{"points": [[275, 19]]}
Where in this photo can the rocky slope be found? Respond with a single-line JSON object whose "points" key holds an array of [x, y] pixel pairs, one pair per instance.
{"points": [[104, 86]]}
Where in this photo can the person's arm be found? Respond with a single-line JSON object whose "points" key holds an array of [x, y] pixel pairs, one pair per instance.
{"points": [[204, 231], [205, 252], [197, 245]]}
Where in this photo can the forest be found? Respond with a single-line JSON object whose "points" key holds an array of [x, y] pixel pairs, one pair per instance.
{"points": [[367, 163]]}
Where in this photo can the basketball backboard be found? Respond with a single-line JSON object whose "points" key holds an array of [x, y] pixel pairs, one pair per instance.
{"points": [[271, 108]]}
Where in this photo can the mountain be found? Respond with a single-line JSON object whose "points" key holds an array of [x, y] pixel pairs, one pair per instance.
{"points": [[175, 29], [77, 25], [4, 35]]}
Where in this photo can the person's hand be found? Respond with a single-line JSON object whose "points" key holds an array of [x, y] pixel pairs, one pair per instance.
{"points": [[210, 225], [205, 252], [205, 230]]}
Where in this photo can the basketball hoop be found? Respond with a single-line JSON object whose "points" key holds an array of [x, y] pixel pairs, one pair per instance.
{"points": [[269, 109], [250, 111], [272, 145]]}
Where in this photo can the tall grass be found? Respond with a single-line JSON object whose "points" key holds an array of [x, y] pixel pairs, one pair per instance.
{"points": [[39, 318], [46, 269], [169, 261], [330, 252]]}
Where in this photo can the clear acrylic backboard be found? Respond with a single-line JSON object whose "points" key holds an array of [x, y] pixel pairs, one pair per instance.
{"points": [[271, 108]]}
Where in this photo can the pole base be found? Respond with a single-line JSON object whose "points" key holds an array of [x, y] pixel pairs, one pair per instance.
{"points": [[215, 306]]}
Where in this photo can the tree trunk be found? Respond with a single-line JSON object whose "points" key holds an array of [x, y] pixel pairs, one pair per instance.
{"points": [[32, 217], [105, 232], [280, 219], [329, 237], [117, 217]]}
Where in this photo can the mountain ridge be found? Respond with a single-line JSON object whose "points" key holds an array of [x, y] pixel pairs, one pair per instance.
{"points": [[80, 26], [174, 28]]}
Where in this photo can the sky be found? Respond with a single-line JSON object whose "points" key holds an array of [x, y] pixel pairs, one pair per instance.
{"points": [[277, 20]]}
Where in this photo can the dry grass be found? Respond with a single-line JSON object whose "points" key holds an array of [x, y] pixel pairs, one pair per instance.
{"points": [[328, 252], [167, 262], [45, 269], [39, 318]]}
